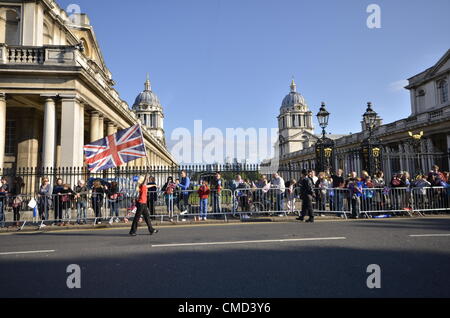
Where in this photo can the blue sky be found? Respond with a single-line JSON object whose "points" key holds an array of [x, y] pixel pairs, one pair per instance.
{"points": [[230, 62]]}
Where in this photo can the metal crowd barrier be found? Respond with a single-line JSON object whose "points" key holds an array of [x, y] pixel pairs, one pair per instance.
{"points": [[240, 203], [436, 199], [185, 204]]}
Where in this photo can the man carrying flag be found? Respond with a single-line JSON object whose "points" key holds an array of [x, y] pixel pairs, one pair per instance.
{"points": [[116, 150]]}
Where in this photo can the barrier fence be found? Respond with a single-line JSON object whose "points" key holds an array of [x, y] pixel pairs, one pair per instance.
{"points": [[90, 207]]}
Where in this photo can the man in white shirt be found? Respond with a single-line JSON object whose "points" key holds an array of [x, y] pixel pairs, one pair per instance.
{"points": [[279, 187]]}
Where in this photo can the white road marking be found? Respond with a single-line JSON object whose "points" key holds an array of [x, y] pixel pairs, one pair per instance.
{"points": [[429, 235], [27, 252], [250, 242]]}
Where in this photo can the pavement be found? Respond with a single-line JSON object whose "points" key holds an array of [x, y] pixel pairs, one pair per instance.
{"points": [[258, 260]]}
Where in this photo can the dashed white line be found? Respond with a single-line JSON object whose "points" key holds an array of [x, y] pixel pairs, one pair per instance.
{"points": [[429, 235], [250, 242], [27, 252]]}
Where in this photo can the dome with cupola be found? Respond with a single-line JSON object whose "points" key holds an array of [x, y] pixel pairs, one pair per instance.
{"points": [[293, 99], [146, 99]]}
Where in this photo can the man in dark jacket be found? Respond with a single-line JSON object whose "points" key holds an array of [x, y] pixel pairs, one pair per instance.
{"points": [[307, 195], [216, 188]]}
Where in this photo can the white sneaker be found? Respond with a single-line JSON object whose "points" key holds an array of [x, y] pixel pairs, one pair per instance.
{"points": [[184, 212], [111, 221], [117, 220], [183, 220], [281, 215], [42, 226]]}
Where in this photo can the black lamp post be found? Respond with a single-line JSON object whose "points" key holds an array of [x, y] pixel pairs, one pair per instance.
{"points": [[370, 148], [324, 146], [416, 140]]}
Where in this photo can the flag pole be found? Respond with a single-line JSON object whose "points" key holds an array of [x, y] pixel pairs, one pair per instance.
{"points": [[145, 149]]}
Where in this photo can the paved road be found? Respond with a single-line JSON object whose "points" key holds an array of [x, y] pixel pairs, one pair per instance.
{"points": [[325, 259]]}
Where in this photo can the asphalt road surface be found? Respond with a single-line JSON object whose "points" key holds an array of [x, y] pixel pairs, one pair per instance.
{"points": [[258, 260]]}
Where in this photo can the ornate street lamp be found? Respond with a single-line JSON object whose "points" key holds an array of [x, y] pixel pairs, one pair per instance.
{"points": [[370, 147], [370, 118], [415, 142], [324, 146], [323, 116]]}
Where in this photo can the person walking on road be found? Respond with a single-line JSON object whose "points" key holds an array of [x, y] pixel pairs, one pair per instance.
{"points": [[307, 196], [142, 208]]}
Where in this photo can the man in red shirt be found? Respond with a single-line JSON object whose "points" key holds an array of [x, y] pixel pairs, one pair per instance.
{"points": [[142, 208]]}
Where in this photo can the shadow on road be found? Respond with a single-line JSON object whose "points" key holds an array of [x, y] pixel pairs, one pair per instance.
{"points": [[439, 224], [327, 270]]}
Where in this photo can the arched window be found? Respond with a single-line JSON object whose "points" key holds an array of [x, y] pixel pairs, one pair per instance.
{"points": [[10, 19], [48, 37], [443, 91]]}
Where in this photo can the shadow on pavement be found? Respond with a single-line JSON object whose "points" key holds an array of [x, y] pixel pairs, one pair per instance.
{"points": [[292, 271]]}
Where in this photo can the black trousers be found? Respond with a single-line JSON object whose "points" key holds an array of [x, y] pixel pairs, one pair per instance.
{"points": [[151, 206], [307, 206], [58, 210], [142, 209], [16, 214]]}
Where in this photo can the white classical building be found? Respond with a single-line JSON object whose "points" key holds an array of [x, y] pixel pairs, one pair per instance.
{"points": [[295, 124], [56, 92], [430, 114], [150, 111]]}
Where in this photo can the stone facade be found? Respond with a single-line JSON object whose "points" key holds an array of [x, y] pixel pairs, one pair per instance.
{"points": [[56, 93]]}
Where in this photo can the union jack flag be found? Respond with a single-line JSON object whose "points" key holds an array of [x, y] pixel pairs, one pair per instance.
{"points": [[115, 150]]}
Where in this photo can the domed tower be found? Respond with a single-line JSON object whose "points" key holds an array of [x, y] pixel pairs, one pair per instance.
{"points": [[149, 110], [295, 123]]}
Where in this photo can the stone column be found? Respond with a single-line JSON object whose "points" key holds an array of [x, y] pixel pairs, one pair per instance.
{"points": [[110, 128], [101, 127], [71, 152], [2, 128], [82, 142], [94, 126], [49, 136]]}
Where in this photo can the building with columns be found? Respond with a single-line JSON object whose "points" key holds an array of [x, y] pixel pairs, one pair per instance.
{"points": [[430, 114], [56, 93]]}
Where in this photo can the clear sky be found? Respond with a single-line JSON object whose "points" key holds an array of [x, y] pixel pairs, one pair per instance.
{"points": [[230, 62]]}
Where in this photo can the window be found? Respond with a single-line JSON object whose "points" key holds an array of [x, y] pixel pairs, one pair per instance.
{"points": [[10, 140], [443, 91], [293, 121], [420, 100], [11, 21]]}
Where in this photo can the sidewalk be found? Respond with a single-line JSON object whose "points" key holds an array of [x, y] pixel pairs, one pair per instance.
{"points": [[34, 228]]}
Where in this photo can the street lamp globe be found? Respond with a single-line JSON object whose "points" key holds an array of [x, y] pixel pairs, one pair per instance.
{"points": [[370, 117], [322, 116]]}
